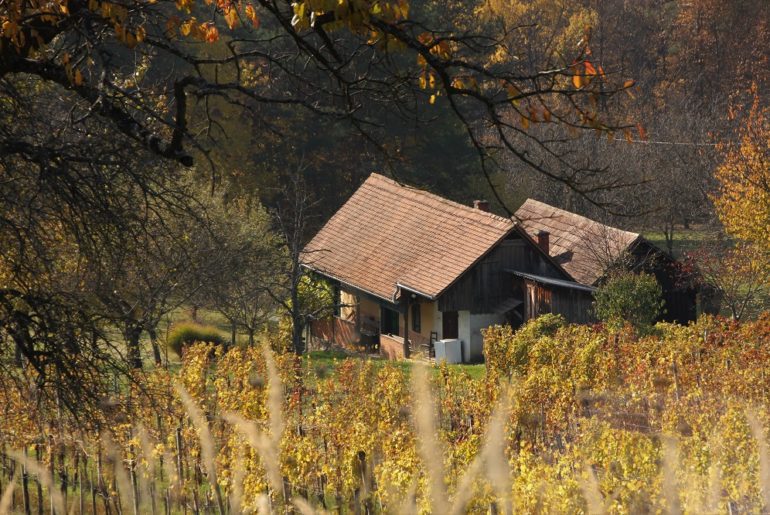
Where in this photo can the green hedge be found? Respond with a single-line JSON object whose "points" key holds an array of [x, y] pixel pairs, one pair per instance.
{"points": [[187, 333]]}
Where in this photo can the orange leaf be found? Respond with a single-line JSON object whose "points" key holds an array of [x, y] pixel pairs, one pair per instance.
{"points": [[577, 80], [251, 14], [172, 23], [210, 32], [533, 114], [641, 131], [590, 70]]}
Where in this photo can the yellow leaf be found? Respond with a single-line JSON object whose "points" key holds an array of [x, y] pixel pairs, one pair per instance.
{"points": [[433, 99], [231, 17], [186, 27], [78, 78]]}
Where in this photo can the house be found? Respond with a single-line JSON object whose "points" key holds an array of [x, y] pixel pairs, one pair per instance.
{"points": [[410, 267], [587, 250]]}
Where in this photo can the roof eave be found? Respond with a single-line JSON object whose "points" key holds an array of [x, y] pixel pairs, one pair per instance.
{"points": [[346, 283]]}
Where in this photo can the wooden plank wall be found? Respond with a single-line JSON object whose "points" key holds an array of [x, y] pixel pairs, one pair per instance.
{"points": [[336, 331], [486, 285]]}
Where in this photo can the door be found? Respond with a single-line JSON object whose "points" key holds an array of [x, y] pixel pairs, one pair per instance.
{"points": [[388, 321], [449, 327]]}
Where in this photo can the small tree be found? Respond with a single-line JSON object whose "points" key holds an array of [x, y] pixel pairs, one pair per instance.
{"points": [[629, 297], [737, 273], [743, 199]]}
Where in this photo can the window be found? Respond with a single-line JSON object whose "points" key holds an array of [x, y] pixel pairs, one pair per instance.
{"points": [[337, 294], [416, 320]]}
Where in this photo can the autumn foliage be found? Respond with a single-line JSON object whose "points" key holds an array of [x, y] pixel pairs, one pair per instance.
{"points": [[567, 419], [743, 200]]}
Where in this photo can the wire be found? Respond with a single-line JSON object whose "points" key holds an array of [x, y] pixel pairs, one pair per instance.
{"points": [[652, 142]]}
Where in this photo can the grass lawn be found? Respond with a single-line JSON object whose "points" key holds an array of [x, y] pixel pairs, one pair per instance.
{"points": [[685, 240], [328, 360]]}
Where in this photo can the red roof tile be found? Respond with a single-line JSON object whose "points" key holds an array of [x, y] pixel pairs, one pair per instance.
{"points": [[388, 234], [583, 247]]}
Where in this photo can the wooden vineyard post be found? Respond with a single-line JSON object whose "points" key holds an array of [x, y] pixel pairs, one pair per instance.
{"points": [[25, 485]]}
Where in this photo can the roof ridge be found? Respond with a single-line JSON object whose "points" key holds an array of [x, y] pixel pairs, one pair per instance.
{"points": [[443, 200]]}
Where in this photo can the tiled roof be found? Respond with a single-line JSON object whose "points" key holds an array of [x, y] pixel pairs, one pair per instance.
{"points": [[388, 234], [583, 247]]}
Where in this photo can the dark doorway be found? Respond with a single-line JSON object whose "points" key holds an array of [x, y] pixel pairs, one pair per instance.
{"points": [[449, 328], [389, 321]]}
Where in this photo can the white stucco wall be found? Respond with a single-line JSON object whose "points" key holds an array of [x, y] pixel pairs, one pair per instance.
{"points": [[437, 320], [468, 330]]}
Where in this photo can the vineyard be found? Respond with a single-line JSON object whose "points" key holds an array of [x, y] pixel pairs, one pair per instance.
{"points": [[567, 419]]}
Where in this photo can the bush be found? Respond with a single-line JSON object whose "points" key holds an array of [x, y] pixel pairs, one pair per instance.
{"points": [[629, 297], [507, 352], [188, 333]]}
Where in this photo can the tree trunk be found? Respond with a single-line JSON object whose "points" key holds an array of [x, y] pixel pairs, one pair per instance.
{"points": [[133, 333], [233, 334], [18, 356], [296, 333], [296, 315], [251, 336], [155, 347]]}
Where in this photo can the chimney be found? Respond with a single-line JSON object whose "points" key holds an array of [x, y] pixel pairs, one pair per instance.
{"points": [[543, 241], [481, 204]]}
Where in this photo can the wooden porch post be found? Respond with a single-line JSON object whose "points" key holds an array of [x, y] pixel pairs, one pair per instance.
{"points": [[407, 351]]}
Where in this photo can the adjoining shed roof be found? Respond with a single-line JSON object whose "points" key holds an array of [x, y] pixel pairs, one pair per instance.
{"points": [[553, 282], [389, 235], [583, 247]]}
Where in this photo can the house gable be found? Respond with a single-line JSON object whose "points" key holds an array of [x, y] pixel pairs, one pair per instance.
{"points": [[488, 284]]}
